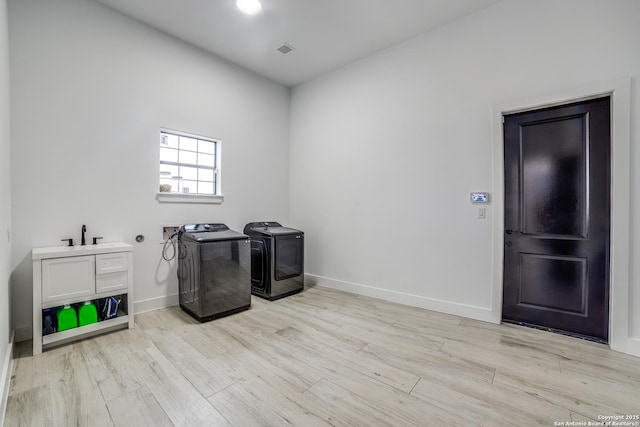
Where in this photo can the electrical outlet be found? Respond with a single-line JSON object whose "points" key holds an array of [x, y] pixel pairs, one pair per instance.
{"points": [[169, 230]]}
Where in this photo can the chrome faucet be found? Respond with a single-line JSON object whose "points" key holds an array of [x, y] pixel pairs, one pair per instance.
{"points": [[84, 230]]}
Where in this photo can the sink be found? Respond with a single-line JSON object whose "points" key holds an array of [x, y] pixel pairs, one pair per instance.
{"points": [[79, 250]]}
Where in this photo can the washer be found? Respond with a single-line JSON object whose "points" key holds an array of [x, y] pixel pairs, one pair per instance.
{"points": [[277, 259], [214, 266]]}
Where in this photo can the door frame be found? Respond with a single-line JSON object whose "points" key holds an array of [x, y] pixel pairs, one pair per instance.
{"points": [[619, 296]]}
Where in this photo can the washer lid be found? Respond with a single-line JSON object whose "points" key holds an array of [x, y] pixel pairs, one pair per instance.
{"points": [[216, 236], [268, 229], [280, 231], [210, 233]]}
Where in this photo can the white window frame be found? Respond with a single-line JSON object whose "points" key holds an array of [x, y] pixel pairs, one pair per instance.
{"points": [[216, 198]]}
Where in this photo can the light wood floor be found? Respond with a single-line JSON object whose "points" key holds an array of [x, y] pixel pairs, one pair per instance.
{"points": [[319, 358]]}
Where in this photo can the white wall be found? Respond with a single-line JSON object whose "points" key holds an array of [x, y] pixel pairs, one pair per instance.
{"points": [[90, 91], [5, 206], [385, 151]]}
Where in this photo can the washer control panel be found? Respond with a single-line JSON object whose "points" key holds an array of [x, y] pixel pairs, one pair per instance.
{"points": [[203, 228]]}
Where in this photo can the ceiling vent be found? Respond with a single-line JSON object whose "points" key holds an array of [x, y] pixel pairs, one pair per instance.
{"points": [[285, 48]]}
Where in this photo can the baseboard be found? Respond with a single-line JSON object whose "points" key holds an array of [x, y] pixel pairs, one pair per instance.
{"points": [[448, 307], [5, 379], [155, 303]]}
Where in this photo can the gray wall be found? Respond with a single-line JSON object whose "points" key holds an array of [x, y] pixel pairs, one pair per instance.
{"points": [[91, 89]]}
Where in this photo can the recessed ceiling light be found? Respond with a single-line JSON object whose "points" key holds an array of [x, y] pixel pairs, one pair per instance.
{"points": [[250, 7]]}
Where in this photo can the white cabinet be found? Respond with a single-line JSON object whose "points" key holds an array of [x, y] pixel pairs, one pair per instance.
{"points": [[69, 275], [68, 278]]}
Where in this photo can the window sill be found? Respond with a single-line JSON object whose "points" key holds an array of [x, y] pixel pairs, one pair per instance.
{"points": [[189, 198]]}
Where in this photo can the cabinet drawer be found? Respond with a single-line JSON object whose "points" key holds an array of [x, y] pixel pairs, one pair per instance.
{"points": [[67, 278], [111, 281], [111, 263]]}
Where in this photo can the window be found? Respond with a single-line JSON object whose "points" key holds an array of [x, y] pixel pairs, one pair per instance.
{"points": [[189, 168]]}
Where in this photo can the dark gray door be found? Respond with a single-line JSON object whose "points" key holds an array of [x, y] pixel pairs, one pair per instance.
{"points": [[557, 221]]}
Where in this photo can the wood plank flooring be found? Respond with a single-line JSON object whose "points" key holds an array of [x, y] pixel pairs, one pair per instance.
{"points": [[321, 358]]}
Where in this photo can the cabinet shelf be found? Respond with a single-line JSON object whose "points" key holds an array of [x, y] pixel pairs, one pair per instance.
{"points": [[84, 331]]}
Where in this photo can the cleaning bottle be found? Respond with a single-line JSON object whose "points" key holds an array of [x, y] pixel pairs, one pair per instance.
{"points": [[110, 308], [67, 318], [87, 314], [48, 327]]}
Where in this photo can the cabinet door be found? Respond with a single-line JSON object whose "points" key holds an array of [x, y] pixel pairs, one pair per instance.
{"points": [[66, 278]]}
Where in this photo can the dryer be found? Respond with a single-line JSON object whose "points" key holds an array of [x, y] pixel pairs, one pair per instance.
{"points": [[277, 259], [214, 265]]}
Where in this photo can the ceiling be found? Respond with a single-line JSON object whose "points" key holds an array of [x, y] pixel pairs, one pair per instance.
{"points": [[325, 34]]}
